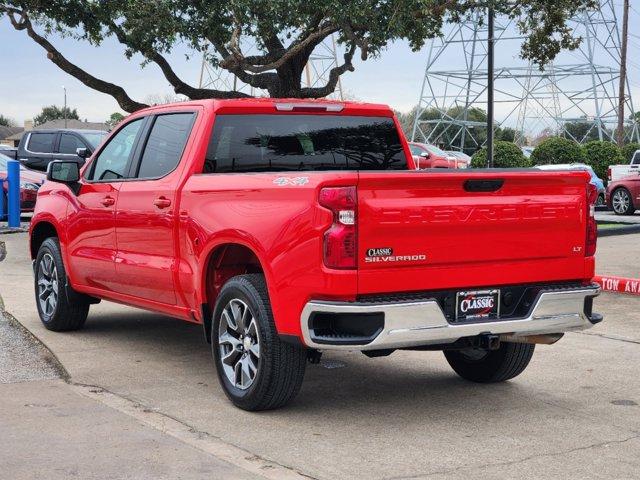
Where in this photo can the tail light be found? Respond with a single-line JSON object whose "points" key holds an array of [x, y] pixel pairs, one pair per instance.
{"points": [[340, 243], [609, 173], [592, 227]]}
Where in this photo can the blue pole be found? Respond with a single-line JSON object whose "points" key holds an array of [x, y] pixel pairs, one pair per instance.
{"points": [[13, 176], [2, 205]]}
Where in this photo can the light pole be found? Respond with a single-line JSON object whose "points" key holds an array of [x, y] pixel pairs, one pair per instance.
{"points": [[65, 106], [491, 40]]}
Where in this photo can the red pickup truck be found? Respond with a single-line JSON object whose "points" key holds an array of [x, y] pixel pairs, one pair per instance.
{"points": [[288, 227]]}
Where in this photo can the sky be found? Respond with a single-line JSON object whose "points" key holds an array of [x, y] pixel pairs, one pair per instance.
{"points": [[29, 81]]}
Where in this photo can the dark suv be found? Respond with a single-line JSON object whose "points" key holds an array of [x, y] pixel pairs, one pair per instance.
{"points": [[39, 147]]}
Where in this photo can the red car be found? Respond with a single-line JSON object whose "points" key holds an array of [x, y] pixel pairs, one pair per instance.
{"points": [[30, 182], [289, 227], [623, 195], [430, 156]]}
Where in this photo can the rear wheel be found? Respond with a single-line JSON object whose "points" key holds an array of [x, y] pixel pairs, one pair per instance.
{"points": [[60, 307], [488, 366], [621, 202], [256, 369], [600, 201]]}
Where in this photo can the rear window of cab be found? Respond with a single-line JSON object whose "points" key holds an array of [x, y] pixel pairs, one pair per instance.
{"points": [[277, 143]]}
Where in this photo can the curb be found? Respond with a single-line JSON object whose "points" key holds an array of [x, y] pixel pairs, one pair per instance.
{"points": [[618, 284], [610, 232]]}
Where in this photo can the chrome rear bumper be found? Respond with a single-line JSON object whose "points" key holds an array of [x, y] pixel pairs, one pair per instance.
{"points": [[416, 323]]}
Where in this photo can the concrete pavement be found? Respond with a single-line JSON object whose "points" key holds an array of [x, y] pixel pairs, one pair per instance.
{"points": [[573, 414]]}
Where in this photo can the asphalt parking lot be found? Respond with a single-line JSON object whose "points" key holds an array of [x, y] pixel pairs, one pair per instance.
{"points": [[144, 386]]}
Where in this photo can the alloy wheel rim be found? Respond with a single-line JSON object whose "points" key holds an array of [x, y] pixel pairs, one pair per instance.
{"points": [[239, 344], [620, 201], [47, 285]]}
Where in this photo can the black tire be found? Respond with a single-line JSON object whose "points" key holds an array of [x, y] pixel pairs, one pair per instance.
{"points": [[600, 201], [71, 308], [499, 365], [618, 208], [280, 366]]}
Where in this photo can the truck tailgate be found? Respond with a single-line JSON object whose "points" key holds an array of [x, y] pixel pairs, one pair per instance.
{"points": [[425, 230]]}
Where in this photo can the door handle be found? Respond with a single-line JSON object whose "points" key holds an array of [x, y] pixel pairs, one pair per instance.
{"points": [[108, 201], [162, 202]]}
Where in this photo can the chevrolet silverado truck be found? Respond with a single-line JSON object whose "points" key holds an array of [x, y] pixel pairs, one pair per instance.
{"points": [[287, 227]]}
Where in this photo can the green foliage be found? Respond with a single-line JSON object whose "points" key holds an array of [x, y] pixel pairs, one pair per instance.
{"points": [[53, 112], [505, 155], [581, 131], [602, 154], [628, 150], [6, 121], [505, 134], [285, 32], [114, 119], [557, 150]]}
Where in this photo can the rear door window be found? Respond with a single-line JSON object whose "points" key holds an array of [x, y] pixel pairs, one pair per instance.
{"points": [[41, 142], [276, 143], [69, 144], [165, 144]]}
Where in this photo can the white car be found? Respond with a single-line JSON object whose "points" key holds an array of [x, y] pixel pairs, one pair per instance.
{"points": [[616, 172]]}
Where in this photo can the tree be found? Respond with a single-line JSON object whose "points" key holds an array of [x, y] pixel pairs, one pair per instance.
{"points": [[53, 112], [505, 155], [628, 150], [557, 150], [114, 119], [286, 32], [602, 154], [6, 121], [581, 131]]}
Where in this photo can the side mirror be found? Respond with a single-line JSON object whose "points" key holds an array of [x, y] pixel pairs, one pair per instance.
{"points": [[424, 154], [63, 171], [83, 152]]}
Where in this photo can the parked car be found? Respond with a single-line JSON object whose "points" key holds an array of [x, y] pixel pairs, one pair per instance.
{"points": [[460, 156], [623, 195], [527, 151], [30, 182], [11, 152], [39, 147], [616, 172], [288, 227], [430, 156], [595, 180]]}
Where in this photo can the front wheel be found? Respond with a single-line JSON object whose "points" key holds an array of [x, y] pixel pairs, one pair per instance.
{"points": [[489, 366], [621, 202], [59, 306], [256, 369]]}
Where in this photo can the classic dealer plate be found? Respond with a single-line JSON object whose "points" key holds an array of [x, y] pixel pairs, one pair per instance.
{"points": [[478, 305]]}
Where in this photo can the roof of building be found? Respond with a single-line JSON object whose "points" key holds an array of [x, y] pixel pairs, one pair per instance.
{"points": [[58, 124], [6, 132]]}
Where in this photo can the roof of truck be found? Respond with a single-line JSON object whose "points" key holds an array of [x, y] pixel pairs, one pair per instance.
{"points": [[267, 105]]}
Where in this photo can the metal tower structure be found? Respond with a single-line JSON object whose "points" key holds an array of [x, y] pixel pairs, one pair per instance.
{"points": [[575, 96], [316, 72]]}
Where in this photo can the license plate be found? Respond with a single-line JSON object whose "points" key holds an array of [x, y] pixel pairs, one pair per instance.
{"points": [[478, 305]]}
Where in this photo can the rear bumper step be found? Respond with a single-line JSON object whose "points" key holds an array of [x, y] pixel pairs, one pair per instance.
{"points": [[422, 322]]}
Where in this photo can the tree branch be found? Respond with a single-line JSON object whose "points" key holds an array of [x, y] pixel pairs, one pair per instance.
{"points": [[334, 76], [179, 86], [117, 92]]}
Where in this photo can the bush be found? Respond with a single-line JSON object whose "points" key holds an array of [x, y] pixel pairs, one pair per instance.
{"points": [[555, 150], [602, 154], [505, 155], [628, 150]]}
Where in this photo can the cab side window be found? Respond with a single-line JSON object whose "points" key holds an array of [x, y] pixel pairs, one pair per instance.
{"points": [[165, 144], [41, 142], [113, 161]]}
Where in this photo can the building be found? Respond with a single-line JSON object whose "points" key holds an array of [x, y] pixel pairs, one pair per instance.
{"points": [[6, 133]]}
